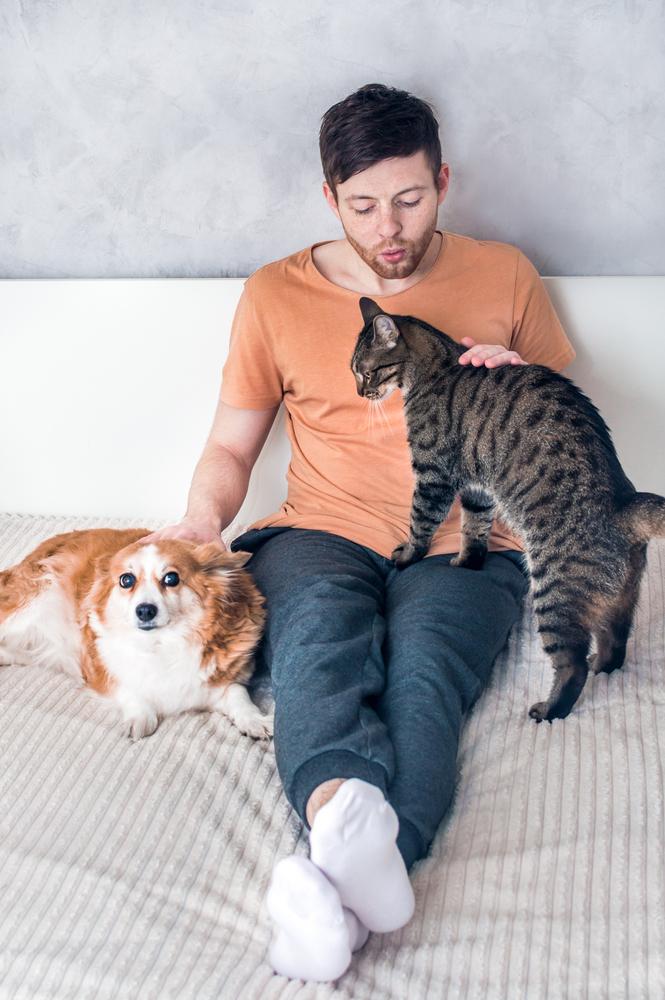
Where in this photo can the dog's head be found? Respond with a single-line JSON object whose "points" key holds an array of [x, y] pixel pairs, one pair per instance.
{"points": [[166, 584]]}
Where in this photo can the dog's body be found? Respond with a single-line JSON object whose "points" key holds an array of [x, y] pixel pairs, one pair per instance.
{"points": [[158, 628]]}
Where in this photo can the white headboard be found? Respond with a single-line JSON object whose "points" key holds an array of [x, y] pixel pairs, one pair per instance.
{"points": [[108, 388]]}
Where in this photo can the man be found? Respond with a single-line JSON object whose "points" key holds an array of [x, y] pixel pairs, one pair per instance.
{"points": [[372, 668]]}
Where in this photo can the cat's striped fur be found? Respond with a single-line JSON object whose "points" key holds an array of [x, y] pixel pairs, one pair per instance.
{"points": [[524, 443]]}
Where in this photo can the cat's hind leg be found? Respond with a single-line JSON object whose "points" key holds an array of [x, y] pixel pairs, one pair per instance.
{"points": [[566, 639], [614, 629], [569, 660], [477, 516]]}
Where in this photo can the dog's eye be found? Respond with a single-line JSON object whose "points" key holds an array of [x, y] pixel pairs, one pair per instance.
{"points": [[171, 580], [127, 580]]}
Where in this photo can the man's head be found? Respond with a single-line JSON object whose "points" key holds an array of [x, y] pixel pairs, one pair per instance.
{"points": [[381, 158], [376, 123]]}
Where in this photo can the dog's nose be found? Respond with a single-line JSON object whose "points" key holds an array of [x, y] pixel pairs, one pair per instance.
{"points": [[146, 612]]}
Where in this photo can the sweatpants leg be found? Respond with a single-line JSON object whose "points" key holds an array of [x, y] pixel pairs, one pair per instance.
{"points": [[322, 645], [444, 629]]}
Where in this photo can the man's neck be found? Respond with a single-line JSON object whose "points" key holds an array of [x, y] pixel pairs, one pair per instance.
{"points": [[340, 264]]}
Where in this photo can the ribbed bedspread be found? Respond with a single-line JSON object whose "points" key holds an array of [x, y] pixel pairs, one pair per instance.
{"points": [[138, 871]]}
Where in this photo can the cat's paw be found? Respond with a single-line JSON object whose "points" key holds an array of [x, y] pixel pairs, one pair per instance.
{"points": [[539, 711], [472, 560], [405, 555]]}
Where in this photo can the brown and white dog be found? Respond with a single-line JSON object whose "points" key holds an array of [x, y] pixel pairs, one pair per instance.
{"points": [[157, 628]]}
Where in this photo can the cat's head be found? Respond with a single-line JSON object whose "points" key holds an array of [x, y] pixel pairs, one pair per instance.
{"points": [[379, 360]]}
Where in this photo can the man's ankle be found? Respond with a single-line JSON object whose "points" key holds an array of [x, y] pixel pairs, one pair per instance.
{"points": [[321, 794]]}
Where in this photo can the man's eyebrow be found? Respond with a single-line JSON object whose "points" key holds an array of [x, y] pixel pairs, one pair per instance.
{"points": [[371, 197]]}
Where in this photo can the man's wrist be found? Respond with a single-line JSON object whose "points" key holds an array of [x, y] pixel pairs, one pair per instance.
{"points": [[212, 523]]}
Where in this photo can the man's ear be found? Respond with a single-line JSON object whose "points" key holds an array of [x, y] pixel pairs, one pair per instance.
{"points": [[329, 195]]}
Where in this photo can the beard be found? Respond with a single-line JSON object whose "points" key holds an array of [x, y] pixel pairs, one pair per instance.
{"points": [[415, 251]]}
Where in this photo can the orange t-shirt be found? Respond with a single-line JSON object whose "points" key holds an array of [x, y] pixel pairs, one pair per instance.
{"points": [[293, 336]]}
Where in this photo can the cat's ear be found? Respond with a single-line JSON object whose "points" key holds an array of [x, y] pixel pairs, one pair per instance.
{"points": [[369, 309], [386, 333]]}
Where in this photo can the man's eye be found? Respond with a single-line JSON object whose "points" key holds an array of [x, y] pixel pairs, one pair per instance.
{"points": [[171, 580], [127, 580], [363, 211], [411, 204]]}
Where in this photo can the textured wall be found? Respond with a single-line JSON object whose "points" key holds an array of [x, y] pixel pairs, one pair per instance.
{"points": [[178, 137]]}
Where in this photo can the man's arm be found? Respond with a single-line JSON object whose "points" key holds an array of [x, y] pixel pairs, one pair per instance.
{"points": [[220, 480]]}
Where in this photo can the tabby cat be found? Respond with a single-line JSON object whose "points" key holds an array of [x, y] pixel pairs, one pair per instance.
{"points": [[523, 442]]}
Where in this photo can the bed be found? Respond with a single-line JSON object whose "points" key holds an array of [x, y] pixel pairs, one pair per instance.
{"points": [[139, 870]]}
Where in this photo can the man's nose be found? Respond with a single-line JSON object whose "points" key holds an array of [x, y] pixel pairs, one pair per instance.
{"points": [[389, 225]]}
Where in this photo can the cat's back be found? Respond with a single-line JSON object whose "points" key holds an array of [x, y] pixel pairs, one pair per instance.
{"points": [[528, 418], [542, 422]]}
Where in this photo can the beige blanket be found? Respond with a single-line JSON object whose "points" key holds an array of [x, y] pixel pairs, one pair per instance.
{"points": [[138, 871]]}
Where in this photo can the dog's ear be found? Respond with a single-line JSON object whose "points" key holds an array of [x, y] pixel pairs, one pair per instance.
{"points": [[241, 558], [102, 564], [212, 558]]}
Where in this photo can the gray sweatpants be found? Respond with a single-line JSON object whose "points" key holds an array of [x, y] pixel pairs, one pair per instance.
{"points": [[373, 668]]}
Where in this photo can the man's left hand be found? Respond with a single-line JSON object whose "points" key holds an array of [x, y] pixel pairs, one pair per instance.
{"points": [[490, 355]]}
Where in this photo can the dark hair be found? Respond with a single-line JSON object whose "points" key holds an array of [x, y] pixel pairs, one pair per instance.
{"points": [[376, 123]]}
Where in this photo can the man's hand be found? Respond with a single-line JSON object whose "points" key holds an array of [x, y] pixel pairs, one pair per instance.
{"points": [[200, 532], [490, 355], [220, 479]]}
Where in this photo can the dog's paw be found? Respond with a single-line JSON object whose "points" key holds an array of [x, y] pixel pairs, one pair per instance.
{"points": [[255, 724], [139, 726]]}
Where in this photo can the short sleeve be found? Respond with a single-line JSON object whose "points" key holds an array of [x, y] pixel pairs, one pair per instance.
{"points": [[538, 336], [251, 379]]}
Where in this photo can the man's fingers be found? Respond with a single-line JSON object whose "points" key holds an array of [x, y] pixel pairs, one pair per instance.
{"points": [[505, 358], [490, 355], [192, 532]]}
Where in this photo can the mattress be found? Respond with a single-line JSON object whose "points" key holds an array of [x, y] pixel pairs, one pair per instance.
{"points": [[139, 870]]}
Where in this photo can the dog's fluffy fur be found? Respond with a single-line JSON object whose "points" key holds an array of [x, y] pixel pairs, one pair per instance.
{"points": [[157, 628]]}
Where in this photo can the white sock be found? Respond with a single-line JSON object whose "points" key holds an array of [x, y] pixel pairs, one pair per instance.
{"points": [[316, 935], [352, 841]]}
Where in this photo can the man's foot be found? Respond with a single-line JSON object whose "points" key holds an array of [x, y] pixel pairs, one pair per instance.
{"points": [[316, 935], [352, 841]]}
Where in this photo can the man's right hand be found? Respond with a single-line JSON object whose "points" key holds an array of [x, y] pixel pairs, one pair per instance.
{"points": [[200, 532]]}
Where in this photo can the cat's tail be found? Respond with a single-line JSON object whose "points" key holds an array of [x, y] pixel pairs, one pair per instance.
{"points": [[644, 516]]}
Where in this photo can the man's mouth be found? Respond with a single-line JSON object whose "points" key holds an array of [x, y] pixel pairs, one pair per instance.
{"points": [[394, 255]]}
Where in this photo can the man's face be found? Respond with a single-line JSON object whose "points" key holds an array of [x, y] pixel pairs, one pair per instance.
{"points": [[389, 212]]}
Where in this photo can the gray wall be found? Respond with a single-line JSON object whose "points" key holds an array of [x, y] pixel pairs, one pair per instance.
{"points": [[162, 138]]}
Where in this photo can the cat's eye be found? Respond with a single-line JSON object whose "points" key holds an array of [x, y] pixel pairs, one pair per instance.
{"points": [[171, 580], [367, 377], [127, 580]]}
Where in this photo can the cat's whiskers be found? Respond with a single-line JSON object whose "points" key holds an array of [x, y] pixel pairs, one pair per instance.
{"points": [[384, 416], [369, 420]]}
